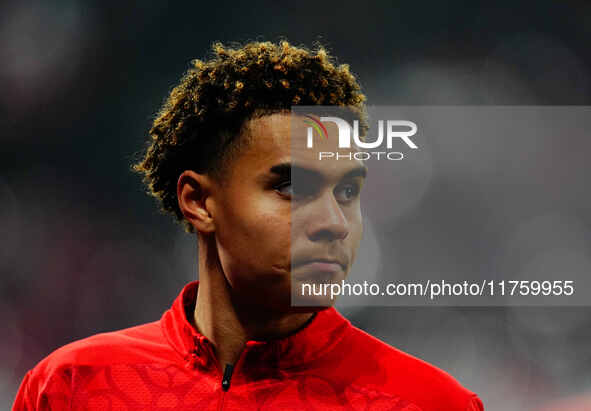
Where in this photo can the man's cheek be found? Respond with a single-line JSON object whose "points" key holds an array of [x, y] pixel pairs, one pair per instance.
{"points": [[282, 250], [355, 242]]}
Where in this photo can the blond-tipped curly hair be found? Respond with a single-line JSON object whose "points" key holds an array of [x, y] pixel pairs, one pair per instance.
{"points": [[205, 113]]}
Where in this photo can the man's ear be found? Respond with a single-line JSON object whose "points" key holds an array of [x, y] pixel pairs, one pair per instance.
{"points": [[193, 190]]}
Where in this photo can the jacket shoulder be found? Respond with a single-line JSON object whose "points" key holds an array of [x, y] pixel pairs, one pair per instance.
{"points": [[126, 345], [52, 380], [403, 374]]}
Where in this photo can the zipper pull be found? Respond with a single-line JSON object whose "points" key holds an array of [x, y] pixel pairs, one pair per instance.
{"points": [[227, 377]]}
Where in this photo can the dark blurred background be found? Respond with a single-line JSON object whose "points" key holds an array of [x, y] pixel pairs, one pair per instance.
{"points": [[84, 250]]}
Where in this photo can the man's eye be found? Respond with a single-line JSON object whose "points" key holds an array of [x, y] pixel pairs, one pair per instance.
{"points": [[347, 192], [285, 188]]}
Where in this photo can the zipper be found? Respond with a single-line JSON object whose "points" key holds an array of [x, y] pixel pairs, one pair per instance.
{"points": [[226, 378], [229, 370]]}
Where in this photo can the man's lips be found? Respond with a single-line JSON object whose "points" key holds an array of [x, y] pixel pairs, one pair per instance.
{"points": [[322, 266]]}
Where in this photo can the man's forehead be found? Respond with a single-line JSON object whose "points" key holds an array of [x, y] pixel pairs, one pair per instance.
{"points": [[290, 131], [288, 127], [281, 139]]}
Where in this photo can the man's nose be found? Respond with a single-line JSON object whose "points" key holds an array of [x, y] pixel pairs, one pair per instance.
{"points": [[328, 222]]}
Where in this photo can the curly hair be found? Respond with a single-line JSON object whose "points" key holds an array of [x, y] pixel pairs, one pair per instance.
{"points": [[209, 108]]}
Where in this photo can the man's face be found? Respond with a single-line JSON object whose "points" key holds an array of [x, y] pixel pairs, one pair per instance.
{"points": [[282, 216]]}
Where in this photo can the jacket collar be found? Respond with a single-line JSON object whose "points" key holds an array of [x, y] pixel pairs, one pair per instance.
{"points": [[322, 333]]}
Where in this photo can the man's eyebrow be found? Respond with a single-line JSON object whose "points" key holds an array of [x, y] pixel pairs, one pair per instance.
{"points": [[360, 171], [285, 170]]}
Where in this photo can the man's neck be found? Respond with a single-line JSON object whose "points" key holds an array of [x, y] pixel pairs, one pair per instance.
{"points": [[226, 324]]}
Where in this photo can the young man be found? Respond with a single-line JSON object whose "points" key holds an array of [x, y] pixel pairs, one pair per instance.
{"points": [[221, 162]]}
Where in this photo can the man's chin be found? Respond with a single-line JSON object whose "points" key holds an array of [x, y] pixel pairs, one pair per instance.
{"points": [[313, 293], [311, 309]]}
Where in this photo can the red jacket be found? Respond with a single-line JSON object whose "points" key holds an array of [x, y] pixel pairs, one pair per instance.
{"points": [[167, 364]]}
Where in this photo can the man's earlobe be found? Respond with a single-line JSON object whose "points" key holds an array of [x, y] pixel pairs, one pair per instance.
{"points": [[193, 192]]}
